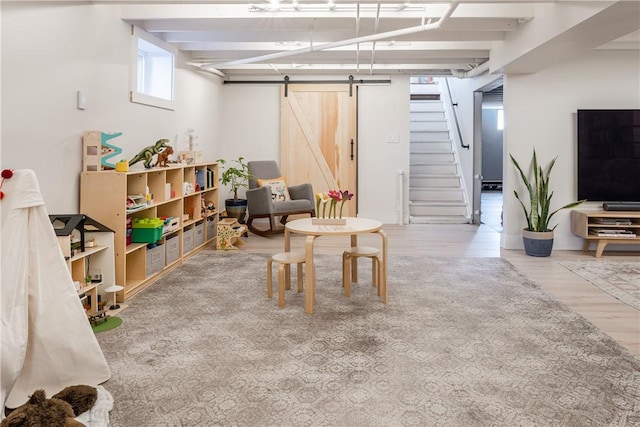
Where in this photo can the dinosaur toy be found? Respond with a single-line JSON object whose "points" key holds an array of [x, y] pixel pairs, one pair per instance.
{"points": [[163, 157], [147, 153]]}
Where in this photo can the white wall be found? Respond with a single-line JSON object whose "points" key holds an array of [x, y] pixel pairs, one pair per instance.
{"points": [[540, 111], [251, 118], [251, 125], [49, 52]]}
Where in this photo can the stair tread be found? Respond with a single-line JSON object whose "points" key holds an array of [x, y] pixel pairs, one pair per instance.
{"points": [[433, 141], [434, 175], [439, 219], [439, 203], [431, 152], [440, 188], [444, 163], [438, 185], [431, 145]]}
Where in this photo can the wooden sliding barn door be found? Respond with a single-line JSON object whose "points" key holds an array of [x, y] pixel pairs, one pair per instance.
{"points": [[318, 138]]}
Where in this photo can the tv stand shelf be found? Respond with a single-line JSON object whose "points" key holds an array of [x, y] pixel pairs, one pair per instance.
{"points": [[586, 224]]}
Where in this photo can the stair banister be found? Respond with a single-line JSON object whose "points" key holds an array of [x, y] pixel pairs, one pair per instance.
{"points": [[455, 115]]}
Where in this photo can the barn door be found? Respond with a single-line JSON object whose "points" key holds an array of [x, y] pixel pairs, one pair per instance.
{"points": [[318, 138]]}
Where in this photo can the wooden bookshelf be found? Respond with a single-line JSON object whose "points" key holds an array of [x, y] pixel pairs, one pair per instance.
{"points": [[179, 191]]}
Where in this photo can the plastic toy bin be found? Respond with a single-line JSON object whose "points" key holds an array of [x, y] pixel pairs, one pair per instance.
{"points": [[146, 230]]}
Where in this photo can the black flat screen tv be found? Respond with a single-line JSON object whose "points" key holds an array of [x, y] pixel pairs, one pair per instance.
{"points": [[609, 155]]}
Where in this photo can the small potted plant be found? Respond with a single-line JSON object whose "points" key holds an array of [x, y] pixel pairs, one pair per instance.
{"points": [[538, 235], [236, 174]]}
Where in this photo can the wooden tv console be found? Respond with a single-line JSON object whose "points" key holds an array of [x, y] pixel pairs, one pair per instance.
{"points": [[587, 223]]}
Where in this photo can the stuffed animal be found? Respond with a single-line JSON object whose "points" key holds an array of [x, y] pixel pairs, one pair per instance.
{"points": [[59, 411]]}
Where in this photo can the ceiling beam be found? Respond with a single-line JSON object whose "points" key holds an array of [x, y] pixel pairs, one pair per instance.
{"points": [[564, 32], [230, 10], [375, 37]]}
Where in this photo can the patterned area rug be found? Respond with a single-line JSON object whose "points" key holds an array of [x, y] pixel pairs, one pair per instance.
{"points": [[462, 342], [620, 279]]}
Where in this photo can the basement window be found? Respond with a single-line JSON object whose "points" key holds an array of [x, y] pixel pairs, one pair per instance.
{"points": [[153, 69]]}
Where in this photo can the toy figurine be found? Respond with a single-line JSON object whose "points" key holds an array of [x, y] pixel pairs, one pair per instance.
{"points": [[147, 153], [163, 157]]}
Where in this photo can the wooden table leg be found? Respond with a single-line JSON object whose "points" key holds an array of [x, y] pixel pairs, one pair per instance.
{"points": [[383, 267], [287, 248], [346, 276], [354, 260], [311, 275], [600, 247]]}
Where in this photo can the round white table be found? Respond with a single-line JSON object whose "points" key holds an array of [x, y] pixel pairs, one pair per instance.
{"points": [[353, 227]]}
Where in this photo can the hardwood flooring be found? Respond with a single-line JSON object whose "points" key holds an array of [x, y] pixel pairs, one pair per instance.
{"points": [[615, 318]]}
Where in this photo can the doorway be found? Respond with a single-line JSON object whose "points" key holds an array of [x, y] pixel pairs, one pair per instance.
{"points": [[491, 126]]}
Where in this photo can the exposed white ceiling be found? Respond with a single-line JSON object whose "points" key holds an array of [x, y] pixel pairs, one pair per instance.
{"points": [[239, 38]]}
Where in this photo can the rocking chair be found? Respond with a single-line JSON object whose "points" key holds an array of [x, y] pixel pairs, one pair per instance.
{"points": [[269, 196]]}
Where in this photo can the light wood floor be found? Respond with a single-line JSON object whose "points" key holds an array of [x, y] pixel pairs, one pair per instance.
{"points": [[615, 318]]}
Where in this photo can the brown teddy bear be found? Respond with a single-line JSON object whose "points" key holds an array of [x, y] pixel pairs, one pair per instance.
{"points": [[59, 411]]}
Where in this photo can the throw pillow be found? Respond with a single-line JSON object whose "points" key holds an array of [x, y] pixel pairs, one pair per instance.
{"points": [[279, 192]]}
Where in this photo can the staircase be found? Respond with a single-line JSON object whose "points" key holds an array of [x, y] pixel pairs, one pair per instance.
{"points": [[436, 188]]}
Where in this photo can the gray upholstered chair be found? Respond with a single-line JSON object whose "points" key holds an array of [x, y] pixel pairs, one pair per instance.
{"points": [[263, 202]]}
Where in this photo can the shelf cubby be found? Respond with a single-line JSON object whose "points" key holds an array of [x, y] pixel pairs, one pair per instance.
{"points": [[155, 182]]}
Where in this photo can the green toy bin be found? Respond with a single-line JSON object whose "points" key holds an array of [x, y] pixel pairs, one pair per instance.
{"points": [[146, 230]]}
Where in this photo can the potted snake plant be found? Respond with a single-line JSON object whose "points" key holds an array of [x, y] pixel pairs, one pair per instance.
{"points": [[538, 235]]}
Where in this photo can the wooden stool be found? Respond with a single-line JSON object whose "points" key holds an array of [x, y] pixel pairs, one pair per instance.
{"points": [[284, 259], [229, 232], [351, 274]]}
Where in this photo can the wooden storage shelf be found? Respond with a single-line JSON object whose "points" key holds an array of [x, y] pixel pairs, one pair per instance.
{"points": [[88, 248], [585, 222], [134, 247], [103, 197], [99, 257], [85, 289]]}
